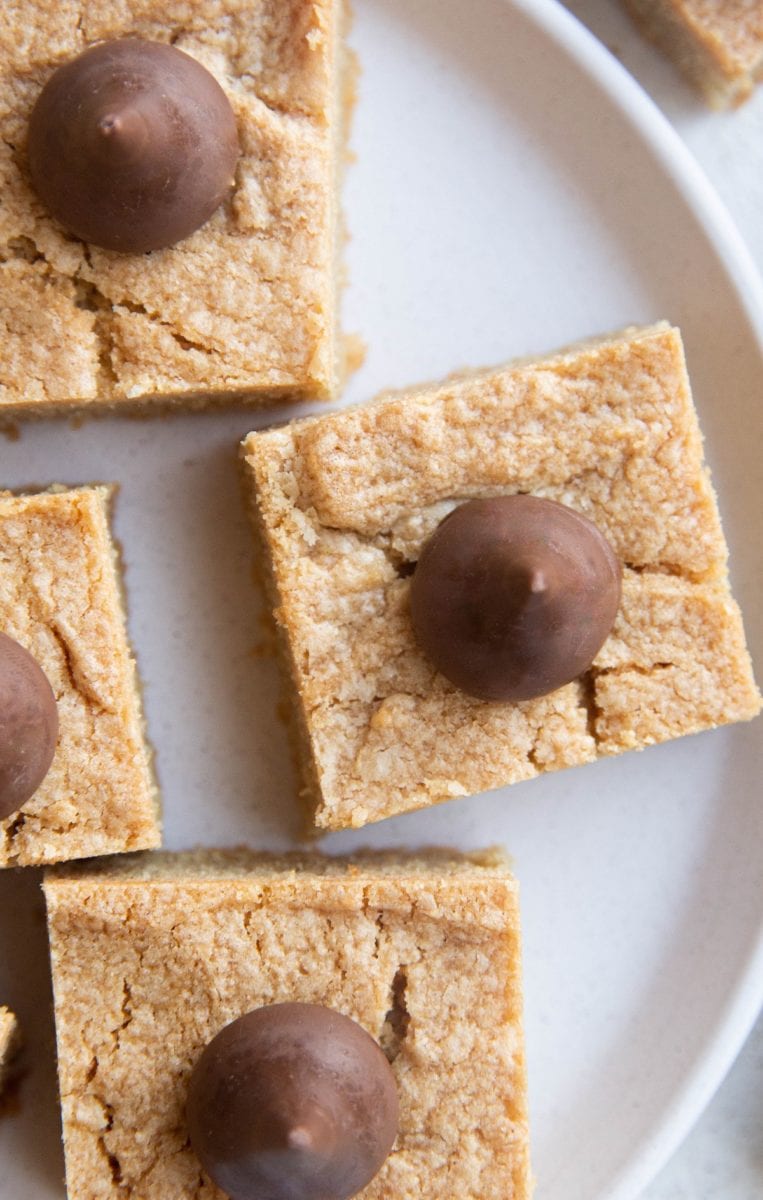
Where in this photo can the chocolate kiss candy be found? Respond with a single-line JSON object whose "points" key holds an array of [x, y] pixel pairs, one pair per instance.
{"points": [[28, 726], [132, 145], [513, 597], [292, 1102]]}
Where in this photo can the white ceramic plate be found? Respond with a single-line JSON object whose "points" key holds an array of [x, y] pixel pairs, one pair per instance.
{"points": [[514, 191]]}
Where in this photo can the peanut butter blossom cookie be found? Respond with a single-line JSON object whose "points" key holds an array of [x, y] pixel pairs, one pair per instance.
{"points": [[132, 145], [396, 1067], [28, 725], [172, 210], [68, 683], [718, 44], [431, 655], [292, 1102]]}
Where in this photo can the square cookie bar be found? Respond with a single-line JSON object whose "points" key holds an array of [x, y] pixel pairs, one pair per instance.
{"points": [[244, 309], [718, 44], [153, 955], [344, 503], [9, 1042], [60, 599]]}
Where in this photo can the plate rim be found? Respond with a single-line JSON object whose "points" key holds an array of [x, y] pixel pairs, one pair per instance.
{"points": [[677, 162]]}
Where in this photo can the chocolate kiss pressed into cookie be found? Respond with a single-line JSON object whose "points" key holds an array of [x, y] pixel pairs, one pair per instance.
{"points": [[28, 726], [513, 597], [292, 1102], [132, 145]]}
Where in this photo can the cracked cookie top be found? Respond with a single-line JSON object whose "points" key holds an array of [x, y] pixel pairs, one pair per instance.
{"points": [[59, 598], [345, 503], [245, 304]]}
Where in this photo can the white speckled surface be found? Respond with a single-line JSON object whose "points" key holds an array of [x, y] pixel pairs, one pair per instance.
{"points": [[722, 1159]]}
